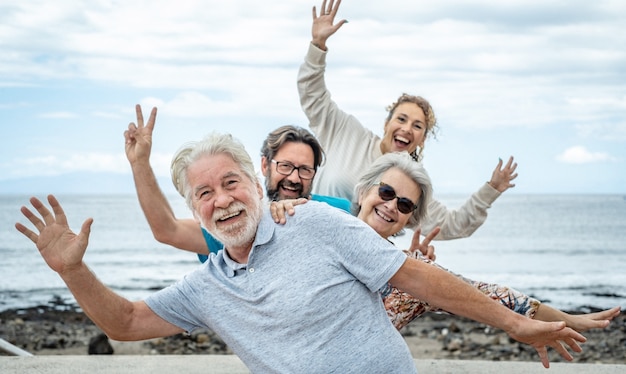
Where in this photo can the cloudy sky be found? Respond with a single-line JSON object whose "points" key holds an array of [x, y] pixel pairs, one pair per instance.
{"points": [[543, 81]]}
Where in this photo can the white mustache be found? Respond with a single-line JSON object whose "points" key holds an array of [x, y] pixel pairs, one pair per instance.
{"points": [[233, 210]]}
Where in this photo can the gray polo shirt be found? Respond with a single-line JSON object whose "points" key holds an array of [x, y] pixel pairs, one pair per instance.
{"points": [[306, 301]]}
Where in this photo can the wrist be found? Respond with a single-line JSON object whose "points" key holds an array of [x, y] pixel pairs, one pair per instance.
{"points": [[70, 271], [140, 163], [319, 44]]}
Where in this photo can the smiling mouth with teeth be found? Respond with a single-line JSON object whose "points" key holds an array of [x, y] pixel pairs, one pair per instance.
{"points": [[381, 215], [229, 216], [401, 139]]}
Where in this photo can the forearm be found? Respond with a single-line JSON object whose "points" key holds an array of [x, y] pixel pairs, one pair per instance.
{"points": [[402, 307], [153, 202], [166, 228], [426, 282], [119, 318], [109, 311]]}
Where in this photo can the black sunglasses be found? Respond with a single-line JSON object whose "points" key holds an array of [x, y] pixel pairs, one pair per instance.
{"points": [[386, 192]]}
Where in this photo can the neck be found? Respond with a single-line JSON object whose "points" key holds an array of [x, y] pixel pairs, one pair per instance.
{"points": [[239, 253], [383, 149]]}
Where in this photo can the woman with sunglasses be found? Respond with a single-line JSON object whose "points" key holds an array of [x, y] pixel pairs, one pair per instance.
{"points": [[351, 148], [392, 194]]}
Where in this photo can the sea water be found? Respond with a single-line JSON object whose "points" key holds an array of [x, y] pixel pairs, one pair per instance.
{"points": [[567, 250]]}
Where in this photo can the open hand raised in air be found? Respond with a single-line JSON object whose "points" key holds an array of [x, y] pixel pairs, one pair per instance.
{"points": [[61, 248]]}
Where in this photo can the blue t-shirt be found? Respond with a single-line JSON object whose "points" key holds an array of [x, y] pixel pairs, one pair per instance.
{"points": [[215, 245]]}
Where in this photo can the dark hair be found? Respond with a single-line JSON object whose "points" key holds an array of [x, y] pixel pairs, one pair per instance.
{"points": [[289, 133]]}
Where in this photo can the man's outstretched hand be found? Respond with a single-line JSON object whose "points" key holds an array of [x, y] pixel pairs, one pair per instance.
{"points": [[61, 248]]}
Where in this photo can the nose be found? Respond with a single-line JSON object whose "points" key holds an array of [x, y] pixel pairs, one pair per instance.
{"points": [[392, 204], [294, 177], [406, 127], [223, 200]]}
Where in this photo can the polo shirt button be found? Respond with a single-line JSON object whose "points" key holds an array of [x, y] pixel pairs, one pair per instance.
{"points": [[251, 270]]}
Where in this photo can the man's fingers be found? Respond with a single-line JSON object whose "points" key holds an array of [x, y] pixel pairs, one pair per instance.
{"points": [[139, 116], [59, 214], [543, 355], [48, 217], [573, 344], [152, 119], [85, 230], [558, 346], [32, 218], [278, 212], [27, 232], [289, 208]]}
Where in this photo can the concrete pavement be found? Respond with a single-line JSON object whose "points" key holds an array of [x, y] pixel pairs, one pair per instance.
{"points": [[230, 364]]}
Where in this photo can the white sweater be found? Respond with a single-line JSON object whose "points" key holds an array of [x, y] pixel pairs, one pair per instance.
{"points": [[351, 148]]}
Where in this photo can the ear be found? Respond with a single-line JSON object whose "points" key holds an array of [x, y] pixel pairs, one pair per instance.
{"points": [[360, 199], [259, 189], [265, 166]]}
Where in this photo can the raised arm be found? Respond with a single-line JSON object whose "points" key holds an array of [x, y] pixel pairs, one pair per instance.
{"points": [[424, 282], [63, 251], [314, 96], [463, 222], [181, 233]]}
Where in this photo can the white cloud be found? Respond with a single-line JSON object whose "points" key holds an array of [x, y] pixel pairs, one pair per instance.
{"points": [[92, 162], [61, 164], [58, 115], [580, 155]]}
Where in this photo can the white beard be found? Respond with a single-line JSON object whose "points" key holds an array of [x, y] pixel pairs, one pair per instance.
{"points": [[239, 234]]}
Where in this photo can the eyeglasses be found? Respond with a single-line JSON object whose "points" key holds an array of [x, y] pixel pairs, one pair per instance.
{"points": [[286, 168], [386, 192]]}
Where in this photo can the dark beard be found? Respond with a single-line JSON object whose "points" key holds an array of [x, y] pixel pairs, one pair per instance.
{"points": [[273, 193]]}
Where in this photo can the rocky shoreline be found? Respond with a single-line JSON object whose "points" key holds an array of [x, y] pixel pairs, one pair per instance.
{"points": [[59, 329]]}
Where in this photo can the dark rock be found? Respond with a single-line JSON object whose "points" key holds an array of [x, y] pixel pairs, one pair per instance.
{"points": [[100, 345]]}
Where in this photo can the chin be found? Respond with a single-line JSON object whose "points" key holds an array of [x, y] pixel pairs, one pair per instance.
{"points": [[235, 240], [240, 234]]}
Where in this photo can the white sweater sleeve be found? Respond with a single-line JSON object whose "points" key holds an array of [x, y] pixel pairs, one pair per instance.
{"points": [[464, 221]]}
